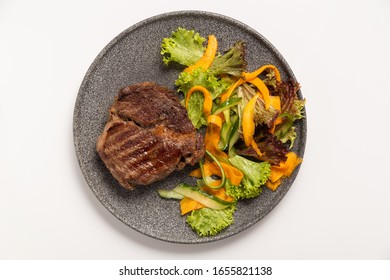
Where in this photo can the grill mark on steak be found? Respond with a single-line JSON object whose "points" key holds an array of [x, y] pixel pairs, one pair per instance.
{"points": [[118, 145], [165, 110], [129, 141], [148, 136], [144, 169], [147, 149]]}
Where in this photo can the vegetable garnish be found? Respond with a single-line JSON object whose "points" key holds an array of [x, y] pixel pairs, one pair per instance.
{"points": [[213, 136], [285, 169], [249, 119], [207, 103], [248, 123], [211, 168], [249, 76], [206, 177], [263, 90], [207, 59]]}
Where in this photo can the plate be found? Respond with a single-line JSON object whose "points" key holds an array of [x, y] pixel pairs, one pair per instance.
{"points": [[132, 57]]}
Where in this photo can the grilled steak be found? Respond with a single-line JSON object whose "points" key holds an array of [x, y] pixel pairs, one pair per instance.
{"points": [[148, 136]]}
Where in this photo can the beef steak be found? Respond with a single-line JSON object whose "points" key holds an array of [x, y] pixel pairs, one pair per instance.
{"points": [[148, 136]]}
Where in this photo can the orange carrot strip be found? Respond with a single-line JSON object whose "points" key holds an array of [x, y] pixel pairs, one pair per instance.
{"points": [[259, 84], [187, 205], [285, 169], [277, 121], [208, 101], [256, 148], [248, 124], [275, 102], [273, 185], [225, 96], [210, 168], [249, 76], [208, 57]]}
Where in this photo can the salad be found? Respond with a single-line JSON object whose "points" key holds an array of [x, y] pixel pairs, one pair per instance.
{"points": [[249, 122]]}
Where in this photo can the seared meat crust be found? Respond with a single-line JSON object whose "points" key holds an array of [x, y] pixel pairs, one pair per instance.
{"points": [[148, 136]]}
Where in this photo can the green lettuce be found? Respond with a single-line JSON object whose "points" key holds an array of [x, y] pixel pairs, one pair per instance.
{"points": [[232, 62], [198, 77], [195, 110], [255, 175], [209, 222], [184, 47], [289, 136], [247, 189]]}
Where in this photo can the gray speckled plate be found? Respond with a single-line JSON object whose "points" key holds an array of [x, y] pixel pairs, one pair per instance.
{"points": [[132, 57]]}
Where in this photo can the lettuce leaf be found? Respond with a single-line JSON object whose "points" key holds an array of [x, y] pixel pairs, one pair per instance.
{"points": [[195, 110], [209, 222], [232, 62], [292, 110], [247, 189], [289, 135], [198, 77], [270, 80], [289, 98], [184, 47], [273, 150], [255, 175]]}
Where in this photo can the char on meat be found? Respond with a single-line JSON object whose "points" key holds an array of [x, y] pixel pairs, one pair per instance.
{"points": [[148, 136]]}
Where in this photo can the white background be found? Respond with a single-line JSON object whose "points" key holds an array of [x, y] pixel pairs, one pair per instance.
{"points": [[339, 205]]}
